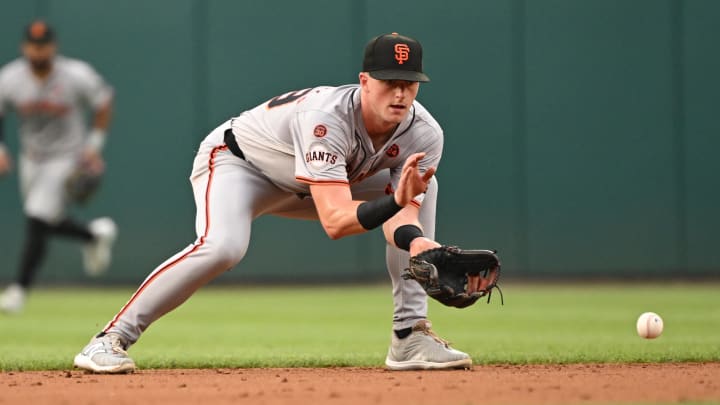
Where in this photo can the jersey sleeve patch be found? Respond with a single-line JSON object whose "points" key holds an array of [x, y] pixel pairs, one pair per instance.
{"points": [[320, 130], [320, 156], [320, 144]]}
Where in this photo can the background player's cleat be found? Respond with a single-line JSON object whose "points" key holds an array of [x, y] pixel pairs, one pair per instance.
{"points": [[97, 253], [105, 354], [12, 299], [422, 350]]}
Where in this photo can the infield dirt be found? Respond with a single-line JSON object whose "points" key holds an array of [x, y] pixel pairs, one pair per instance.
{"points": [[536, 384]]}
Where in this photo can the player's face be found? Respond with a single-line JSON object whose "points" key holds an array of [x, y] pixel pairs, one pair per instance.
{"points": [[389, 100], [40, 56]]}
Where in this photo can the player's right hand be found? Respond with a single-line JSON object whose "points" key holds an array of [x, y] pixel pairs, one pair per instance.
{"points": [[5, 161], [412, 182], [92, 161]]}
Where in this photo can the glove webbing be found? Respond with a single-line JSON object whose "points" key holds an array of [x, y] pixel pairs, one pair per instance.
{"points": [[489, 294]]}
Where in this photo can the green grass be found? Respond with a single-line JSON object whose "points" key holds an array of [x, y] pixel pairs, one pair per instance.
{"points": [[350, 326]]}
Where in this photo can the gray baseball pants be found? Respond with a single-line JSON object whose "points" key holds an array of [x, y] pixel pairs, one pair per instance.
{"points": [[229, 194]]}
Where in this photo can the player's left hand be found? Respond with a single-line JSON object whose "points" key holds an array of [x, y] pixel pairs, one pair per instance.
{"points": [[422, 244], [83, 183], [92, 161], [454, 276], [475, 282]]}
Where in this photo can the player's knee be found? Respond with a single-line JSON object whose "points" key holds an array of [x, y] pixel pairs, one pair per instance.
{"points": [[226, 252], [44, 213]]}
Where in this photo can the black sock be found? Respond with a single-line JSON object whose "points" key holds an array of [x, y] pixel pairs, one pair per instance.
{"points": [[33, 253], [403, 333], [72, 229]]}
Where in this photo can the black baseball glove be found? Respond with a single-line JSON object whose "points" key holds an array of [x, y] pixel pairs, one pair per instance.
{"points": [[82, 185], [443, 273]]}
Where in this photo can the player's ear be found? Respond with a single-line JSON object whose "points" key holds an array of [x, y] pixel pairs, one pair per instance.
{"points": [[363, 78]]}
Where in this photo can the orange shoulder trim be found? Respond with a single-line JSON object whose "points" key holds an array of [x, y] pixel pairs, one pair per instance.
{"points": [[321, 182]]}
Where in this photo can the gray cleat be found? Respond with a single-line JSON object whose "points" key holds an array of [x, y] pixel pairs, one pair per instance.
{"points": [[106, 355], [423, 350], [12, 299], [97, 254]]}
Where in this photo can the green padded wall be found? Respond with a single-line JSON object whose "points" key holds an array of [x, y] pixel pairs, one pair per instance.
{"points": [[579, 135]]}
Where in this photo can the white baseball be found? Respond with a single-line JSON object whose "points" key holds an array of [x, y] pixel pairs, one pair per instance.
{"points": [[649, 325]]}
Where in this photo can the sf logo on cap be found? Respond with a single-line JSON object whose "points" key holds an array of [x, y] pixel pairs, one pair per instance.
{"points": [[402, 53]]}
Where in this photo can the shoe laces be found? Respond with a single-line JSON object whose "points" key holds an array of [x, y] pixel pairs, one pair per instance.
{"points": [[426, 329], [116, 344]]}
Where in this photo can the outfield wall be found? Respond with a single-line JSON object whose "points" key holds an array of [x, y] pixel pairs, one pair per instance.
{"points": [[580, 135]]}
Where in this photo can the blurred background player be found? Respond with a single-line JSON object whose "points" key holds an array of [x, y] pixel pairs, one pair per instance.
{"points": [[50, 95]]}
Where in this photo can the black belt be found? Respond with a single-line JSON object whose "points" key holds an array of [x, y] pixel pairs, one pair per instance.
{"points": [[232, 144]]}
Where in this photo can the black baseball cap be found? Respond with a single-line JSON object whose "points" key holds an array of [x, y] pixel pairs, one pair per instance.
{"points": [[394, 57], [39, 32]]}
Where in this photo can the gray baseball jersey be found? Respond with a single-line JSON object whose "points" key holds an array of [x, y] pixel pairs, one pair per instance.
{"points": [[52, 112], [316, 136], [52, 127], [312, 136]]}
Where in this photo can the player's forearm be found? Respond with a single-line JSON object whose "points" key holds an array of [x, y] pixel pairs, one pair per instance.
{"points": [[101, 122], [341, 220], [406, 216], [103, 116], [341, 216], [354, 217], [404, 231]]}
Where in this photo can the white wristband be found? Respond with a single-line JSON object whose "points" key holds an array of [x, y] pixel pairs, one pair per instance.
{"points": [[96, 139]]}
